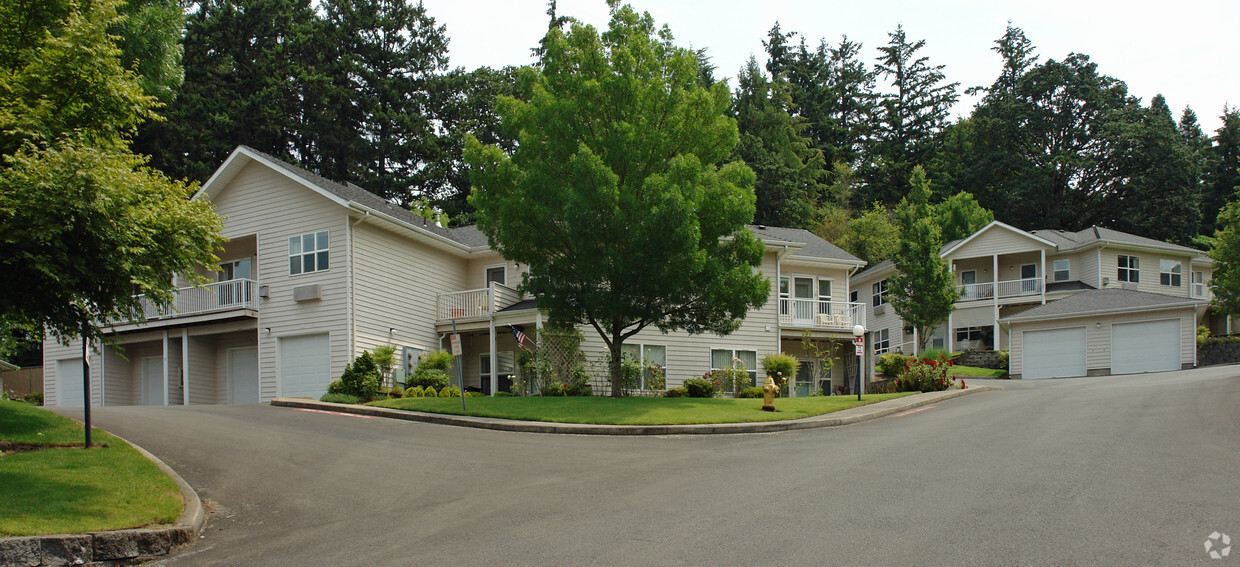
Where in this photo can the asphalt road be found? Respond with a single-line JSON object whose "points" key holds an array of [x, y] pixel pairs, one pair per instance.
{"points": [[1126, 470]]}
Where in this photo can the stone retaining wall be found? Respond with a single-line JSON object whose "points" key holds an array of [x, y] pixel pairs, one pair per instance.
{"points": [[120, 547], [1225, 353], [980, 359]]}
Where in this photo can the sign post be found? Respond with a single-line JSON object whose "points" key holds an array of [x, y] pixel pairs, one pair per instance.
{"points": [[456, 360], [859, 333]]}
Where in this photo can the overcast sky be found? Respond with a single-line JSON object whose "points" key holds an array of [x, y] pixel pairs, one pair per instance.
{"points": [[1185, 50]]}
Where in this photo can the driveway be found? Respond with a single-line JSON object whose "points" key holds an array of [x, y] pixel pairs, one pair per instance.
{"points": [[1114, 470]]}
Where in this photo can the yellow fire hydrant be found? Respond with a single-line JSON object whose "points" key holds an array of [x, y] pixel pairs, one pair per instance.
{"points": [[768, 394]]}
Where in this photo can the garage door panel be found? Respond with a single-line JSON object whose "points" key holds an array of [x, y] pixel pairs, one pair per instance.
{"points": [[1146, 346], [305, 365], [69, 387], [1053, 353]]}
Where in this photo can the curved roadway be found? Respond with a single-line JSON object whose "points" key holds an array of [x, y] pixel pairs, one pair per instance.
{"points": [[1124, 470]]}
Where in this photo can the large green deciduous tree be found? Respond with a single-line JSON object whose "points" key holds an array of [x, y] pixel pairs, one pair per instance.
{"points": [[617, 197], [84, 224], [922, 292]]}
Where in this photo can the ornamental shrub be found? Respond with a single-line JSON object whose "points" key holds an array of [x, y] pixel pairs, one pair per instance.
{"points": [[1003, 359], [414, 392], [430, 392], [35, 397], [437, 360], [750, 392], [430, 378], [340, 399], [396, 392], [699, 388], [925, 375], [361, 377], [336, 387], [891, 364], [676, 392], [450, 392], [779, 364]]}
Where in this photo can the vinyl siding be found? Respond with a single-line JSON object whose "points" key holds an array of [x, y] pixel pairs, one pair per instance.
{"points": [[219, 360], [996, 240], [476, 272], [1098, 336], [262, 202], [1082, 267], [201, 376], [397, 283], [54, 352], [1149, 271]]}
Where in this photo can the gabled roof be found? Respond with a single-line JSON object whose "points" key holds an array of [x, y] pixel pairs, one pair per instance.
{"points": [[7, 366], [1101, 302], [994, 225], [814, 247], [1068, 241], [876, 269]]}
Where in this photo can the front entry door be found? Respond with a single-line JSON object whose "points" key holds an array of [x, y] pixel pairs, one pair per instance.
{"points": [[1028, 281], [803, 299]]}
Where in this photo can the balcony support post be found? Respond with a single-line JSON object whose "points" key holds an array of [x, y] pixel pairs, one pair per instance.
{"points": [[995, 294], [185, 365], [165, 366], [1042, 281]]}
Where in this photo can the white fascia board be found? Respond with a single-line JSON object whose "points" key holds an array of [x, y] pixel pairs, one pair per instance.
{"points": [[1098, 312], [417, 232], [1009, 227]]}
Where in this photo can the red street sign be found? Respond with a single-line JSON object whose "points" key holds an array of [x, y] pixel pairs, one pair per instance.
{"points": [[859, 341]]}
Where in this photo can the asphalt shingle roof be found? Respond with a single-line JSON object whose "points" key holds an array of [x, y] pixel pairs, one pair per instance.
{"points": [[815, 246], [1088, 302], [1068, 240]]}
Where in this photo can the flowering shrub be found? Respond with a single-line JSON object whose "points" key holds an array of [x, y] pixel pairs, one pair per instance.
{"points": [[700, 387], [924, 375], [654, 377]]}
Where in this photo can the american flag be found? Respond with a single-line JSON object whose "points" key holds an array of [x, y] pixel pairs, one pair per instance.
{"points": [[516, 333]]}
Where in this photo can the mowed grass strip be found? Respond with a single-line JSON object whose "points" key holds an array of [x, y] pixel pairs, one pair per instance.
{"points": [[635, 410], [73, 490], [957, 370]]}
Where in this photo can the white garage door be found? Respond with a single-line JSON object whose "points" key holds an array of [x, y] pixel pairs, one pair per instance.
{"points": [[1148, 346], [69, 383], [305, 366], [1053, 353]]}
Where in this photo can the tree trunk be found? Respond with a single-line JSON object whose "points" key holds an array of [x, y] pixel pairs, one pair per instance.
{"points": [[617, 356]]}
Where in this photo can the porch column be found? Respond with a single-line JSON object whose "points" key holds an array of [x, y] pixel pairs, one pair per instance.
{"points": [[916, 341], [185, 365], [1043, 276], [950, 339], [494, 360], [165, 366], [995, 332]]}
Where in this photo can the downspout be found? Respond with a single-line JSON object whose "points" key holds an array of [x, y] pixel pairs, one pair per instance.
{"points": [[348, 304], [1104, 245]]}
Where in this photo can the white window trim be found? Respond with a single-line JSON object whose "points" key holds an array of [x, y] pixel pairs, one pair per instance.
{"points": [[641, 350], [315, 253], [1171, 275], [879, 340], [487, 269], [1067, 271], [1129, 271], [974, 272], [879, 297], [752, 371]]}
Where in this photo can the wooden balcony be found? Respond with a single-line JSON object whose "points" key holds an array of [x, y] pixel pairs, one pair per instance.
{"points": [[475, 303], [1005, 289], [820, 315], [227, 298]]}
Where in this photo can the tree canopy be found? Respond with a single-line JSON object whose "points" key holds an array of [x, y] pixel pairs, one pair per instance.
{"points": [[84, 224], [922, 291], [618, 197]]}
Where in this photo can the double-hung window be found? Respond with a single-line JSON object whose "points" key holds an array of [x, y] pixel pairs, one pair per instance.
{"points": [[1199, 284], [882, 341], [648, 356], [722, 358], [307, 253], [880, 292], [1062, 270], [1129, 269], [1170, 273]]}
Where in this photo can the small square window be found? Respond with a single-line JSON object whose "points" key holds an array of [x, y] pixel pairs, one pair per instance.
{"points": [[1062, 273], [1128, 269], [307, 253], [1170, 273]]}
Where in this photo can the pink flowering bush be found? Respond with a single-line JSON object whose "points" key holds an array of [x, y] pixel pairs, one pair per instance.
{"points": [[924, 375]]}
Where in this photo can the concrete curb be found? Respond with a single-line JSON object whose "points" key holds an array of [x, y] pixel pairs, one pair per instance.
{"points": [[118, 547], [843, 417]]}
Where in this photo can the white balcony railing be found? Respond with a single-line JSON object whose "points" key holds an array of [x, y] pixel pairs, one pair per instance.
{"points": [[476, 302], [207, 298], [816, 314], [1010, 288]]}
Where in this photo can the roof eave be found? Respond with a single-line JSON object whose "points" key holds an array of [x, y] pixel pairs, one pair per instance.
{"points": [[1097, 312]]}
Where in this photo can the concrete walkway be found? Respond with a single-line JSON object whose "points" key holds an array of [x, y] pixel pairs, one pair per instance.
{"points": [[843, 417]]}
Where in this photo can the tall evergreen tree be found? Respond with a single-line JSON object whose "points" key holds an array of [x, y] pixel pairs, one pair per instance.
{"points": [[1221, 175], [789, 169], [852, 103], [1018, 56], [910, 116]]}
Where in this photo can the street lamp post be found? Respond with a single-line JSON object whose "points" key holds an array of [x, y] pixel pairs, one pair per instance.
{"points": [[859, 332]]}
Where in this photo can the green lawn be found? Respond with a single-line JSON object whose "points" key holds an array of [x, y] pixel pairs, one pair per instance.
{"points": [[958, 370], [60, 489], [634, 411]]}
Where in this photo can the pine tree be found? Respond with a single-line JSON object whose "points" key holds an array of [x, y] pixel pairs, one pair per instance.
{"points": [[909, 117], [1221, 175]]}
